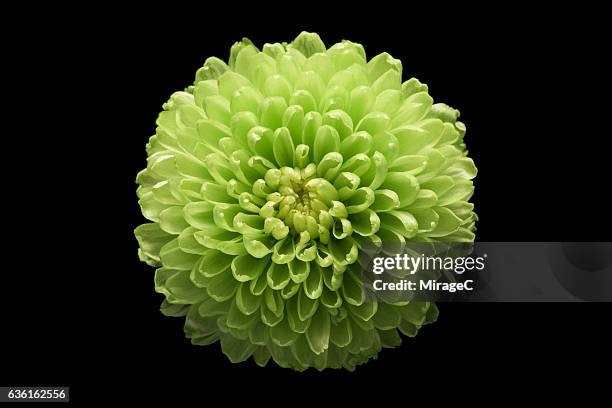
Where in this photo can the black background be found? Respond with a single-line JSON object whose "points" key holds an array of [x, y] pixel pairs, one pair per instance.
{"points": [[81, 309]]}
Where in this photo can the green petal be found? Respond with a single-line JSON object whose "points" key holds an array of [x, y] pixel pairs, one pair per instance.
{"points": [[268, 317], [189, 244], [414, 108], [317, 334], [306, 306], [214, 262], [259, 334], [427, 219], [295, 322], [388, 101], [277, 85], [238, 320], [283, 147], [382, 63], [177, 286], [308, 43], [172, 256], [415, 312], [377, 173], [389, 80], [448, 223], [361, 100], [151, 238], [236, 350], [311, 82], [313, 285], [246, 302], [290, 290], [293, 119], [424, 199], [213, 67], [326, 140], [259, 246], [360, 200], [387, 317], [439, 185], [282, 334], [341, 333], [307, 101], [299, 270], [412, 86], [331, 298], [261, 356], [365, 223], [329, 166], [385, 200], [389, 338], [259, 285], [173, 309], [246, 267], [278, 276], [401, 222], [245, 99], [352, 289], [464, 168], [359, 142], [222, 287], [344, 251], [365, 311], [231, 81], [404, 184], [301, 350], [339, 120], [218, 108], [284, 251]]}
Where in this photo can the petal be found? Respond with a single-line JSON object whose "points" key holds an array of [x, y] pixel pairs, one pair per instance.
{"points": [[295, 322], [238, 320], [172, 256], [352, 289], [308, 43], [326, 140], [222, 287], [341, 333], [427, 219], [151, 238], [401, 222], [318, 333], [385, 200], [382, 63], [282, 334], [247, 268], [283, 147], [313, 285], [236, 350], [339, 120], [306, 307], [447, 224], [246, 302], [365, 223], [360, 200], [177, 286], [299, 270], [387, 317], [404, 184], [278, 276]]}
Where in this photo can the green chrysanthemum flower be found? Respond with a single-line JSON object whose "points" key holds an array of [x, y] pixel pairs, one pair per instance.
{"points": [[267, 177]]}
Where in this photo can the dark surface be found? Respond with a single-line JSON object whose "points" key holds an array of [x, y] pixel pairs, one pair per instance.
{"points": [[88, 317]]}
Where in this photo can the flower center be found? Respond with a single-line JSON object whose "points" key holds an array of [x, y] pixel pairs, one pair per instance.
{"points": [[298, 201]]}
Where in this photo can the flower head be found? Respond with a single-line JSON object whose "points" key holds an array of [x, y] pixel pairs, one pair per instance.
{"points": [[267, 177]]}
